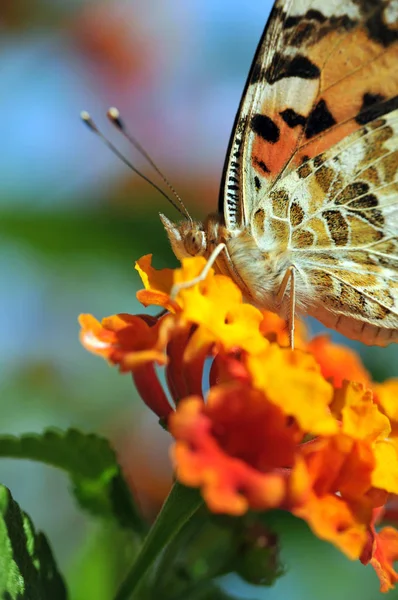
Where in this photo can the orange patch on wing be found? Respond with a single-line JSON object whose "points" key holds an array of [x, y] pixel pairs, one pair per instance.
{"points": [[355, 66], [274, 156]]}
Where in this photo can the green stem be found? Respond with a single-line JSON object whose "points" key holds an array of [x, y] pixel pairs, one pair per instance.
{"points": [[178, 508]]}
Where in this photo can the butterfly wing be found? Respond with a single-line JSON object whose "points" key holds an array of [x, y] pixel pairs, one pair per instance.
{"points": [[321, 71], [313, 162]]}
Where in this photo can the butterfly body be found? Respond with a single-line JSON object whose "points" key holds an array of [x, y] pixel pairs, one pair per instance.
{"points": [[258, 272], [309, 198]]}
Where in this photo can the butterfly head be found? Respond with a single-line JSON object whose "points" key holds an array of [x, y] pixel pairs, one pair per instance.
{"points": [[187, 238]]}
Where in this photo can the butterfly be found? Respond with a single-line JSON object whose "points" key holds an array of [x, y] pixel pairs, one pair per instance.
{"points": [[308, 208]]}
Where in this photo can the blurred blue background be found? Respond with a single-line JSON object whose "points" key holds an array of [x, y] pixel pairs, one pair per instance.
{"points": [[74, 219]]}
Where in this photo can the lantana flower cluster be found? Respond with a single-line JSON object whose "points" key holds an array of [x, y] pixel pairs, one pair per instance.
{"points": [[255, 424]]}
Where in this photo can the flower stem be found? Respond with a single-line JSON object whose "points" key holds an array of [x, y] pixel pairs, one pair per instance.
{"points": [[178, 508]]}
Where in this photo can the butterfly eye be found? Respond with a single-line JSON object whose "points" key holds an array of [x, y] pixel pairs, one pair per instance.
{"points": [[195, 242]]}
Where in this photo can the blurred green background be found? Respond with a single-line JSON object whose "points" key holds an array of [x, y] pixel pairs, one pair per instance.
{"points": [[72, 221]]}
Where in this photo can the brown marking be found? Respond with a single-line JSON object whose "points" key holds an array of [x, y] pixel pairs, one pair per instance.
{"points": [[297, 214], [371, 175], [353, 300], [259, 221], [324, 177], [376, 124], [280, 203], [304, 170], [337, 226], [378, 139], [387, 247], [382, 296], [373, 310], [302, 238], [320, 279], [360, 257], [337, 185], [374, 217], [375, 147], [281, 230], [362, 233], [323, 257], [356, 279], [319, 160], [318, 227], [389, 166], [351, 191], [367, 201]]}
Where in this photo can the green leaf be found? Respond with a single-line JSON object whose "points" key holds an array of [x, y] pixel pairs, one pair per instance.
{"points": [[27, 567], [95, 571], [180, 505], [91, 464]]}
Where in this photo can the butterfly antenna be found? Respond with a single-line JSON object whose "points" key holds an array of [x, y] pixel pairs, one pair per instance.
{"points": [[86, 118], [113, 115]]}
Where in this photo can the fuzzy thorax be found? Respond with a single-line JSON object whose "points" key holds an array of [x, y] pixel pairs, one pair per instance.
{"points": [[259, 274]]}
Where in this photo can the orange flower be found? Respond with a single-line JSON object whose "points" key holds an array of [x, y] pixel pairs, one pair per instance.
{"points": [[303, 430], [381, 551], [212, 452], [337, 362], [135, 344], [384, 554], [275, 329], [387, 395], [125, 340]]}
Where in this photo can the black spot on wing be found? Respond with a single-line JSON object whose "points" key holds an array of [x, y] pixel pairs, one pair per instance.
{"points": [[292, 119], [374, 217], [257, 183], [310, 15], [369, 99], [261, 165], [368, 201], [337, 227], [298, 66], [303, 33], [320, 119], [257, 74], [319, 160], [374, 106], [263, 126], [378, 29], [351, 192]]}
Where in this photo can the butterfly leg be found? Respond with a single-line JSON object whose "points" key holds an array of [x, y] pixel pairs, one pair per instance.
{"points": [[177, 287], [290, 277]]}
